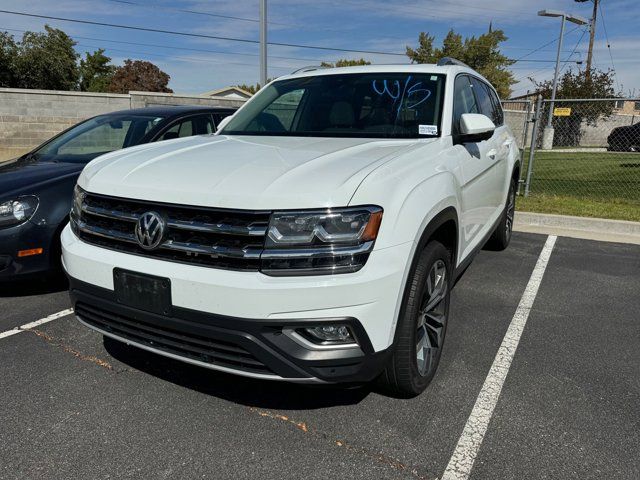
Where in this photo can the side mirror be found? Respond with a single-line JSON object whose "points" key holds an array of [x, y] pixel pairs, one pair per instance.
{"points": [[223, 123], [475, 127]]}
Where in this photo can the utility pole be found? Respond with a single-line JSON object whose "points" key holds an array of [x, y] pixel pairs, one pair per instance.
{"points": [[592, 33], [263, 43]]}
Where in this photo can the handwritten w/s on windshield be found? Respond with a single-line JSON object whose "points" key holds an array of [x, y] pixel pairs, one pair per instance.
{"points": [[412, 93]]}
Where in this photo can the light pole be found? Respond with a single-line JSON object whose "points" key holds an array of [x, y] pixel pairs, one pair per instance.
{"points": [[263, 43], [547, 134]]}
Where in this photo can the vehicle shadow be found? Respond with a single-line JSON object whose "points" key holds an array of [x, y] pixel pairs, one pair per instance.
{"points": [[234, 388], [33, 286]]}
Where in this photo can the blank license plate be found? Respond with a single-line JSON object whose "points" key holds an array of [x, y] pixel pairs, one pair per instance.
{"points": [[146, 292]]}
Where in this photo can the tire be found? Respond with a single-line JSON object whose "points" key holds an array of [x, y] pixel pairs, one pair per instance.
{"points": [[501, 236], [422, 326], [55, 275]]}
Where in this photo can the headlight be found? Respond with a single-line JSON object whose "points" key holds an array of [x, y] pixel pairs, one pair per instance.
{"points": [[320, 241], [17, 211], [333, 226], [78, 198]]}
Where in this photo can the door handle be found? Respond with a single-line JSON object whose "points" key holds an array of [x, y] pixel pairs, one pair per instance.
{"points": [[492, 154], [507, 143]]}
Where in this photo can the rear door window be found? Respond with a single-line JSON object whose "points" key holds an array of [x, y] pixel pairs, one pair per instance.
{"points": [[488, 101]]}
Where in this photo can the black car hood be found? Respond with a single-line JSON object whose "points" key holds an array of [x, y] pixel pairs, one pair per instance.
{"points": [[24, 177]]}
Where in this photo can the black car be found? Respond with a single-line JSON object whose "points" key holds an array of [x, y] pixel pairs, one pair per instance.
{"points": [[36, 189], [625, 139]]}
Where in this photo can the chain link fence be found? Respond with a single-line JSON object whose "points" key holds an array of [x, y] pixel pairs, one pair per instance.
{"points": [[580, 156]]}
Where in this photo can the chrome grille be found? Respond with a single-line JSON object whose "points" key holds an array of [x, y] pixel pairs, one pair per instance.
{"points": [[232, 239]]}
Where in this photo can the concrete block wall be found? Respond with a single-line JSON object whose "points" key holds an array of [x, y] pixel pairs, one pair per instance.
{"points": [[150, 99], [595, 135], [29, 117]]}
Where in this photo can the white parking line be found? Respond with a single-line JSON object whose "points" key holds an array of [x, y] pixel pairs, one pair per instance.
{"points": [[27, 326], [464, 455]]}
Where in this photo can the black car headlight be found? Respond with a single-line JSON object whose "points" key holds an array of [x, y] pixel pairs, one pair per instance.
{"points": [[312, 242], [14, 212]]}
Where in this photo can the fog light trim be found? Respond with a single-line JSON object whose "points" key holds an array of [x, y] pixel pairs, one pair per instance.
{"points": [[302, 337]]}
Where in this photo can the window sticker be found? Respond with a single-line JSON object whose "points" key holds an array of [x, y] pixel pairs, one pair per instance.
{"points": [[428, 129]]}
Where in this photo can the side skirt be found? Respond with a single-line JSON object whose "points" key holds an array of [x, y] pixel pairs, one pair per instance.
{"points": [[460, 269]]}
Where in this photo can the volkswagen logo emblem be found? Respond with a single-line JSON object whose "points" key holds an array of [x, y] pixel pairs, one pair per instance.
{"points": [[150, 230]]}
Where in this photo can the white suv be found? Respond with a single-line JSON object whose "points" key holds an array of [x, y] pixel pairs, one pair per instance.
{"points": [[315, 239]]}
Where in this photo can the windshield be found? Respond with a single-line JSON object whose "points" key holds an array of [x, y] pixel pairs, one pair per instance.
{"points": [[97, 136], [387, 105]]}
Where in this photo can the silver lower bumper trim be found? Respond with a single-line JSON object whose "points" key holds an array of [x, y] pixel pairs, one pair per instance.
{"points": [[260, 376]]}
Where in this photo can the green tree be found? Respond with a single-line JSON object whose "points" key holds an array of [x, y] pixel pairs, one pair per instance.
{"points": [[96, 72], [481, 53], [8, 55], [345, 63], [252, 89], [139, 75], [47, 60], [577, 85]]}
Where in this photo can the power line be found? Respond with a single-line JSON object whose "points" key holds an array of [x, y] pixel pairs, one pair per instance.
{"points": [[198, 35], [171, 47], [535, 73], [219, 52], [547, 44], [606, 36], [196, 12], [209, 14], [215, 37], [188, 59], [574, 49]]}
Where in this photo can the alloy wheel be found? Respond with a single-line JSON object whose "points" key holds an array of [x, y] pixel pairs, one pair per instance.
{"points": [[432, 319], [511, 206]]}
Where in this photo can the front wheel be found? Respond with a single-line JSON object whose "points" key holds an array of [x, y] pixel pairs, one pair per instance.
{"points": [[502, 234], [422, 326]]}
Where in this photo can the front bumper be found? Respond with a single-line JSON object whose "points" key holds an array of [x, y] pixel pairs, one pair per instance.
{"points": [[24, 237], [246, 313]]}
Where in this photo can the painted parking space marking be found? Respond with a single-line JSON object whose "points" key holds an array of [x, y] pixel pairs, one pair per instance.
{"points": [[36, 323], [464, 455]]}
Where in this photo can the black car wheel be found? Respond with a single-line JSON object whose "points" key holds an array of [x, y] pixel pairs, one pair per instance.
{"points": [[501, 236], [422, 326]]}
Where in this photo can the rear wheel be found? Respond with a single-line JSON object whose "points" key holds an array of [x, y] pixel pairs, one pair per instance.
{"points": [[422, 326], [502, 234]]}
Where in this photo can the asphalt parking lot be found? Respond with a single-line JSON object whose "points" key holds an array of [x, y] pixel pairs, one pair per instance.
{"points": [[75, 406]]}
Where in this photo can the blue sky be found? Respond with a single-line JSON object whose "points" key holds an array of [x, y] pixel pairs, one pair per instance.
{"points": [[199, 64]]}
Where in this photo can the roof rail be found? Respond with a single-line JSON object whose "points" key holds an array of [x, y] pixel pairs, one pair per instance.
{"points": [[451, 61], [310, 68]]}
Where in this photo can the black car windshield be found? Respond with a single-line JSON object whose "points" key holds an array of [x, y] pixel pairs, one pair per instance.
{"points": [[378, 105], [97, 136]]}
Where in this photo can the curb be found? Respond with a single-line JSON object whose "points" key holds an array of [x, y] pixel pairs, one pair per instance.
{"points": [[600, 229]]}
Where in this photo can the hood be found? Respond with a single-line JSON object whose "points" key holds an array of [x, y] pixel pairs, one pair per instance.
{"points": [[246, 172], [25, 177]]}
